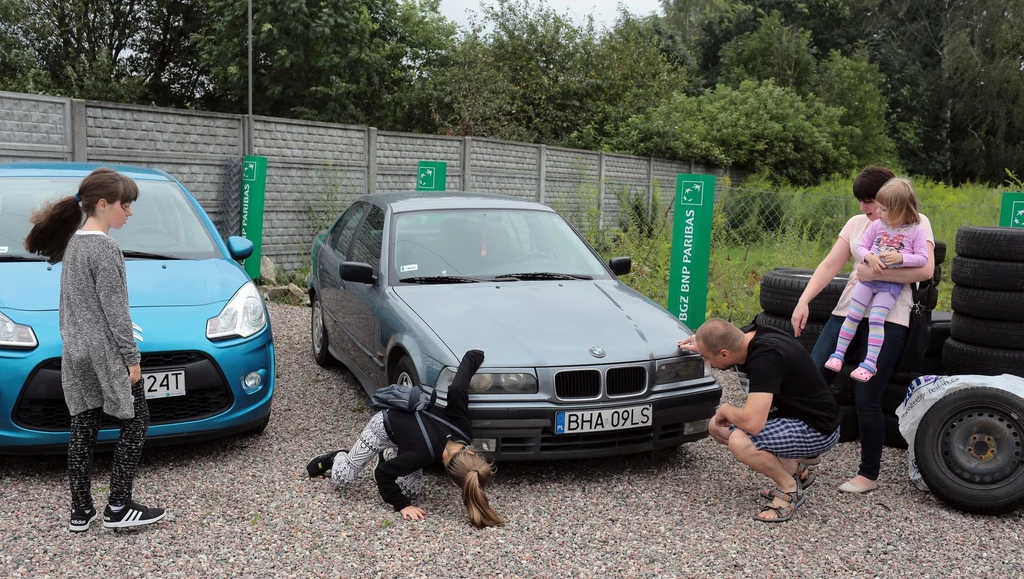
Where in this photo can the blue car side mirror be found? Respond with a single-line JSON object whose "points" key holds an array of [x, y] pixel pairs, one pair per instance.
{"points": [[620, 265], [239, 247], [357, 272]]}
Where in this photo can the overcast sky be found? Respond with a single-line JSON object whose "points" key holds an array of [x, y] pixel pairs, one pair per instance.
{"points": [[604, 11]]}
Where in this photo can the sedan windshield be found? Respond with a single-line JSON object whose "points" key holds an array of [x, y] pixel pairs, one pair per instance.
{"points": [[163, 221], [471, 245]]}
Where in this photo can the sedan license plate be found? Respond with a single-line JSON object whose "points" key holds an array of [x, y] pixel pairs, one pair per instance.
{"points": [[164, 384], [596, 420]]}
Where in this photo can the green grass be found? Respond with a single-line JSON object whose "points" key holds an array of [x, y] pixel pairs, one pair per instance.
{"points": [[756, 229]]}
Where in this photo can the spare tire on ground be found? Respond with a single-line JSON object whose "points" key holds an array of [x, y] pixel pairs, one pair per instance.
{"points": [[988, 304], [968, 448], [808, 336], [988, 274], [990, 333]]}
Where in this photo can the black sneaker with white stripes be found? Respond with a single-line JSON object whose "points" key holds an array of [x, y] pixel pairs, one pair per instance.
{"points": [[131, 515], [82, 518]]}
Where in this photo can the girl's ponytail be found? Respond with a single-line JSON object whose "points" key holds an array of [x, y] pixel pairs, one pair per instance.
{"points": [[472, 473], [52, 228]]}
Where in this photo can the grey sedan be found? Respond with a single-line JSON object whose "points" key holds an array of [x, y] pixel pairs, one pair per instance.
{"points": [[577, 363]]}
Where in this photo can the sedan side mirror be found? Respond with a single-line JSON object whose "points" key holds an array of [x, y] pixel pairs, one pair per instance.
{"points": [[620, 265], [356, 272], [239, 247]]}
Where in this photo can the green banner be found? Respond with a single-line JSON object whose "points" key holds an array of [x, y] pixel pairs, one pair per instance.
{"points": [[1012, 213], [431, 176], [254, 185], [691, 248]]}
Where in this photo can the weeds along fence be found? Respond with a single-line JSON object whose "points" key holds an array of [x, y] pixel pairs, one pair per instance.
{"points": [[755, 230]]}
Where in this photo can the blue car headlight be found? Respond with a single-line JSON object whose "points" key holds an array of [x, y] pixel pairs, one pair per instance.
{"points": [[243, 316], [679, 371], [492, 383], [16, 336]]}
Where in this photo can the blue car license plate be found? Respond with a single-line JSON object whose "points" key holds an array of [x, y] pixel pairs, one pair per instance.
{"points": [[578, 421]]}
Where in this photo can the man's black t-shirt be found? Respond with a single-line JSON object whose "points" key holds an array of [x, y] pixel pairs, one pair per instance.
{"points": [[776, 363]]}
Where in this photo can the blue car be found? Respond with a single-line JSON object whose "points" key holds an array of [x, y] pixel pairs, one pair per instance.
{"points": [[200, 323], [577, 363]]}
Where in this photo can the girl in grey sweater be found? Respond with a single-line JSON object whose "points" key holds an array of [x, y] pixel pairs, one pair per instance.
{"points": [[100, 369]]}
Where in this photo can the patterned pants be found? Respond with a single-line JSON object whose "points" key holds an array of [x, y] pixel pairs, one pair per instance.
{"points": [[372, 440], [84, 428]]}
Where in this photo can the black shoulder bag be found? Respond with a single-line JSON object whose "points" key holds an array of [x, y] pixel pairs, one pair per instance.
{"points": [[919, 332]]}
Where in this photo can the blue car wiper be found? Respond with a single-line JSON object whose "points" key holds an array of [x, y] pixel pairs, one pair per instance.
{"points": [[144, 255], [428, 279], [546, 275]]}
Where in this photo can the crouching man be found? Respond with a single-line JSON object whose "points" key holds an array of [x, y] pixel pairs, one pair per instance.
{"points": [[790, 417]]}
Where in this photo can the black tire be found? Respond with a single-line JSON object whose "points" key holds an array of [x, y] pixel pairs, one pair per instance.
{"points": [[988, 304], [893, 438], [961, 358], [932, 301], [940, 252], [937, 274], [1000, 243], [781, 289], [848, 429], [989, 333], [940, 330], [988, 274], [320, 344], [960, 427], [808, 336], [842, 388], [404, 372], [893, 397]]}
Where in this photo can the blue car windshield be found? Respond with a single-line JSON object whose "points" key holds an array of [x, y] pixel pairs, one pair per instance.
{"points": [[484, 244], [163, 221]]}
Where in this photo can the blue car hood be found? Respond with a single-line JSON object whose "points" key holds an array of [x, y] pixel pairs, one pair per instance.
{"points": [[31, 286], [547, 323]]}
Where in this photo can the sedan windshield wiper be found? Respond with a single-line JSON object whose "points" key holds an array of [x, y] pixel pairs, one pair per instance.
{"points": [[144, 255], [545, 275], [428, 279], [21, 258]]}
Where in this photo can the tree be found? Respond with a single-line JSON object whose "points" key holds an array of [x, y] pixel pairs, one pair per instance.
{"points": [[331, 60], [774, 51]]}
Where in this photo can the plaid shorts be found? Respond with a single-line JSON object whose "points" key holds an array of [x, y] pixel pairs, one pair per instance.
{"points": [[792, 438]]}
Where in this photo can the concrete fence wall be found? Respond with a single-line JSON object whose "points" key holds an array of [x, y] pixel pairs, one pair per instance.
{"points": [[314, 170]]}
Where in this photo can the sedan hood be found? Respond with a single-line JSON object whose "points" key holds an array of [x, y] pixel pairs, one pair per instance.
{"points": [[547, 323], [34, 286]]}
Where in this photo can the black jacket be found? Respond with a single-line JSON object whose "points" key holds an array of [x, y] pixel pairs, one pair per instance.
{"points": [[404, 430]]}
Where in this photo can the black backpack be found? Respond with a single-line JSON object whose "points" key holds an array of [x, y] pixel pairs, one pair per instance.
{"points": [[411, 399]]}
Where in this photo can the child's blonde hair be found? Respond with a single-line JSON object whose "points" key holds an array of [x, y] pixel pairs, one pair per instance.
{"points": [[471, 472], [898, 198]]}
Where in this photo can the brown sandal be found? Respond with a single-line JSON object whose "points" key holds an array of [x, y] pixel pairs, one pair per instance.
{"points": [[782, 513], [805, 479]]}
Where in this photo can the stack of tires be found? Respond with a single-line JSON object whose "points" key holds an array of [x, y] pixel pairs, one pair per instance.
{"points": [[987, 329], [780, 290]]}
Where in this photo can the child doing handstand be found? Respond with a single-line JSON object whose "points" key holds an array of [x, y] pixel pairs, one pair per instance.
{"points": [[397, 438], [895, 239]]}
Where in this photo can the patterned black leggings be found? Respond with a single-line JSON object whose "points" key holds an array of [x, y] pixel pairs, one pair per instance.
{"points": [[84, 429]]}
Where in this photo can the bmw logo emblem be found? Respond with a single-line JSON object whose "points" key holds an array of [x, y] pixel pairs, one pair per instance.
{"points": [[597, 352]]}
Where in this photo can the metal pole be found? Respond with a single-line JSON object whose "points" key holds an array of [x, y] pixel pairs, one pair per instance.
{"points": [[250, 58]]}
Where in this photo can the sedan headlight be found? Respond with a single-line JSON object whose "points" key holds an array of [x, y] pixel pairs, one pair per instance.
{"points": [[243, 316], [492, 383], [679, 371], [16, 335]]}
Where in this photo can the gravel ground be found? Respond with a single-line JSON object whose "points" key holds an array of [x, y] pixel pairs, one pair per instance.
{"points": [[242, 507]]}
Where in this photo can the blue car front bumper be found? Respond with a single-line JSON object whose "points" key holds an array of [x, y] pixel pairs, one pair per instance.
{"points": [[33, 416]]}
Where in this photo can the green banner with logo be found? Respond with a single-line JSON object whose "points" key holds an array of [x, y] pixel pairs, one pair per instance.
{"points": [[431, 175], [254, 185], [1012, 213], [691, 248]]}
